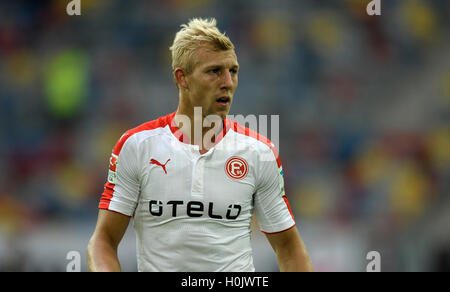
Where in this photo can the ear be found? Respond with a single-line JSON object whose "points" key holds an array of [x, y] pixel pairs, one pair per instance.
{"points": [[180, 77]]}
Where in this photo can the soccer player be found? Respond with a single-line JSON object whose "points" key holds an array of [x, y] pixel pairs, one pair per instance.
{"points": [[192, 194]]}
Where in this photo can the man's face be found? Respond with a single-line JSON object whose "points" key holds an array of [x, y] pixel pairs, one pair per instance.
{"points": [[213, 81]]}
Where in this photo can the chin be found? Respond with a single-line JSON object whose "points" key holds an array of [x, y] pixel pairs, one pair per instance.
{"points": [[222, 114]]}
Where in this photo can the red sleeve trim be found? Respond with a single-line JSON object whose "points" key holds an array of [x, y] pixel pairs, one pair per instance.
{"points": [[288, 206], [106, 196], [115, 212], [279, 231]]}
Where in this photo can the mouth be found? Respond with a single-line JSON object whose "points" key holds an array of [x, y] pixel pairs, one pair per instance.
{"points": [[223, 101]]}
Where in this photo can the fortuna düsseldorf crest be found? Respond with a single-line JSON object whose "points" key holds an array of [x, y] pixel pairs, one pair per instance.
{"points": [[236, 167]]}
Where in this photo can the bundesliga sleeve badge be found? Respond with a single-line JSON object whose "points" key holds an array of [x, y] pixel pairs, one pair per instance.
{"points": [[112, 176], [236, 168]]}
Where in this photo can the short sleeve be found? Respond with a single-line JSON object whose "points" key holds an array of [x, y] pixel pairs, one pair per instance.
{"points": [[272, 209], [121, 192]]}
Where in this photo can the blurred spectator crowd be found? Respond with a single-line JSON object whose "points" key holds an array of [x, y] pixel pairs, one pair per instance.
{"points": [[364, 106]]}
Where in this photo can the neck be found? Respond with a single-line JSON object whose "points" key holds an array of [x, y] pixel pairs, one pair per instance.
{"points": [[200, 130]]}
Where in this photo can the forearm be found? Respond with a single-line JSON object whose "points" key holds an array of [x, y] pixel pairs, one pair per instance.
{"points": [[294, 260], [102, 257]]}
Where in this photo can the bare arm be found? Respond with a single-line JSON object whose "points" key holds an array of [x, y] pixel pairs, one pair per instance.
{"points": [[102, 247], [291, 251]]}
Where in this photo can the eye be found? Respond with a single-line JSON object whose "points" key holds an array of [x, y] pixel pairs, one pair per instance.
{"points": [[233, 71], [214, 70]]}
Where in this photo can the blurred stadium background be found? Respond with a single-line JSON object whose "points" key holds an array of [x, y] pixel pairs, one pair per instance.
{"points": [[364, 106]]}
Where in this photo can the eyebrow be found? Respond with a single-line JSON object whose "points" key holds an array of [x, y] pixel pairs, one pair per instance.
{"points": [[234, 66]]}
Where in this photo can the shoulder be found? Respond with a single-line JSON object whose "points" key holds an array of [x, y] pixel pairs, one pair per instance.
{"points": [[258, 142], [143, 130]]}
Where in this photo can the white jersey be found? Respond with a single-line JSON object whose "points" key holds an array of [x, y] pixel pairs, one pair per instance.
{"points": [[192, 211]]}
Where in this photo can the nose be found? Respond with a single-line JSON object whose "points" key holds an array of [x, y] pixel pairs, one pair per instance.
{"points": [[227, 80]]}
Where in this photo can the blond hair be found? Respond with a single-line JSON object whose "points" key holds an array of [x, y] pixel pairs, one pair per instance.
{"points": [[197, 33]]}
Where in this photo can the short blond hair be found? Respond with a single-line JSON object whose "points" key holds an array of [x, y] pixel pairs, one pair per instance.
{"points": [[197, 33]]}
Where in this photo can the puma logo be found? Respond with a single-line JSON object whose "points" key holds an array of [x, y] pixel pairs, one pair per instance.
{"points": [[154, 161]]}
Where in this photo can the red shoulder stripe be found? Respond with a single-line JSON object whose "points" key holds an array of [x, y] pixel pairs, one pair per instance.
{"points": [[250, 133], [108, 192], [158, 123]]}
